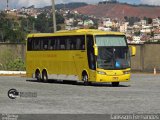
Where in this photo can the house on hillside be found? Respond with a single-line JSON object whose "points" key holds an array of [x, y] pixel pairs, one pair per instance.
{"points": [[88, 23], [124, 27], [146, 29], [105, 24], [156, 23], [143, 22], [32, 11], [157, 34]]}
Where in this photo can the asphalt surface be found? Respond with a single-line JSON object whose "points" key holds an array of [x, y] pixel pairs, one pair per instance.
{"points": [[140, 95]]}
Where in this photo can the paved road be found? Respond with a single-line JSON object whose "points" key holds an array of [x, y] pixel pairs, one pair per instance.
{"points": [[141, 95]]}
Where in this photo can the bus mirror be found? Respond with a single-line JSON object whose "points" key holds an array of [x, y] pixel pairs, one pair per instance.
{"points": [[96, 50], [133, 50]]}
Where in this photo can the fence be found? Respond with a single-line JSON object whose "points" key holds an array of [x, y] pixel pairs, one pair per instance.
{"points": [[147, 58]]}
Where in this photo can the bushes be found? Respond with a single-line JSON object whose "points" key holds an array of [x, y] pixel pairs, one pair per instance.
{"points": [[11, 62], [16, 65]]}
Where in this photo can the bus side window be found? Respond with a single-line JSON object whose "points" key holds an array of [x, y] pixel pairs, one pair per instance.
{"points": [[68, 44], [62, 43], [44, 43], [53, 43], [73, 44], [82, 44], [30, 44], [45, 47], [58, 44], [50, 44], [62, 47], [78, 43], [37, 44]]}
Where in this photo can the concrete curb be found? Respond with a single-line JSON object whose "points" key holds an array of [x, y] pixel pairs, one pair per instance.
{"points": [[12, 73]]}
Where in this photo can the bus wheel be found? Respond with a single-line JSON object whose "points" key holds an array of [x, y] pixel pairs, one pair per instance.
{"points": [[44, 76], [38, 75], [85, 79], [115, 84]]}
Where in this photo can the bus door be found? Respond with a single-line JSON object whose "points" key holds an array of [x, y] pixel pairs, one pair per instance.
{"points": [[91, 58]]}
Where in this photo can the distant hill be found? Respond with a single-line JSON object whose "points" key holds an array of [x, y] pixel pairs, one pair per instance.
{"points": [[70, 6], [120, 10]]}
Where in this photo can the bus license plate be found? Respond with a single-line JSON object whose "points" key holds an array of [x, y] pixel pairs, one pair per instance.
{"points": [[115, 78]]}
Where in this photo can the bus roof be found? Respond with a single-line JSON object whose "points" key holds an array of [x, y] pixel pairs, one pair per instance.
{"points": [[75, 32]]}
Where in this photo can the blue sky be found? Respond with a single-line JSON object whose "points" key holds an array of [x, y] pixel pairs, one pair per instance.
{"points": [[131, 1], [41, 3]]}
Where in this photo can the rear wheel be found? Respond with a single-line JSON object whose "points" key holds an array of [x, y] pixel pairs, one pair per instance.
{"points": [[44, 76], [115, 84], [38, 75]]}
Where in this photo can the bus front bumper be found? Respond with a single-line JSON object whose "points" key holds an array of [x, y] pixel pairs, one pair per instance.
{"points": [[113, 78]]}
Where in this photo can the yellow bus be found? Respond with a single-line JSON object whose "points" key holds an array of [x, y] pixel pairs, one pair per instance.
{"points": [[80, 55]]}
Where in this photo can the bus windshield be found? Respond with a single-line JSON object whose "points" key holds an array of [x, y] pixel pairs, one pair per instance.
{"points": [[113, 53]]}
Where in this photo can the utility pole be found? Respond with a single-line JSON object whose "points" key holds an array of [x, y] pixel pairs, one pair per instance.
{"points": [[54, 16], [7, 5], [33, 27]]}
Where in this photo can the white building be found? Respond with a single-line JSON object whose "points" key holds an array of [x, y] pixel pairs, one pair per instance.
{"points": [[107, 22], [146, 29], [88, 23], [104, 28], [136, 39], [69, 21], [124, 27], [143, 22], [156, 22], [156, 36]]}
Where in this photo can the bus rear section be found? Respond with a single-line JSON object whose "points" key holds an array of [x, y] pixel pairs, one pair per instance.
{"points": [[56, 56]]}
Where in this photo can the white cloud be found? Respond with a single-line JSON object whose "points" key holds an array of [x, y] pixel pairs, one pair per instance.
{"points": [[151, 2], [37, 3]]}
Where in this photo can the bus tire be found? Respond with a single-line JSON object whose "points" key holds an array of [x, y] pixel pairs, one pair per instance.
{"points": [[38, 75], [44, 76], [85, 79], [115, 84]]}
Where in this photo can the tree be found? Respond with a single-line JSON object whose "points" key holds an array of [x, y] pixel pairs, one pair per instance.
{"points": [[45, 24], [149, 20], [126, 18], [137, 33], [41, 23], [15, 29]]}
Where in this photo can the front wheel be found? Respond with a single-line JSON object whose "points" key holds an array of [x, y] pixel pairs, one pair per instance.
{"points": [[115, 84], [85, 79]]}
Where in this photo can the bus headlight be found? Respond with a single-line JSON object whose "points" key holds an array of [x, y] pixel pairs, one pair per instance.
{"points": [[126, 72], [101, 72]]}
